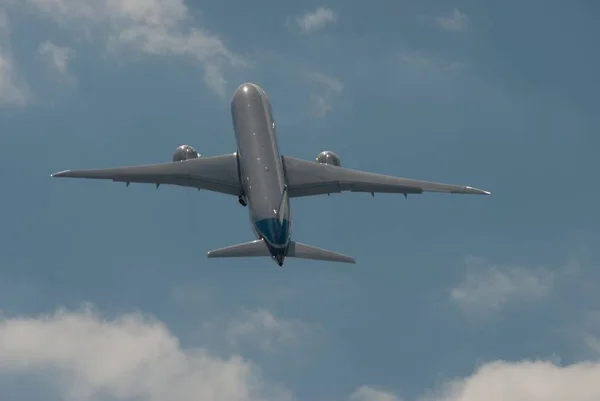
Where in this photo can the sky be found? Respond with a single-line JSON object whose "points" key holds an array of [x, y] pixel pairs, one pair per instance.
{"points": [[106, 292]]}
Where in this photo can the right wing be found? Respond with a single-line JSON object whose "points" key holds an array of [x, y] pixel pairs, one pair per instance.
{"points": [[308, 178], [216, 173]]}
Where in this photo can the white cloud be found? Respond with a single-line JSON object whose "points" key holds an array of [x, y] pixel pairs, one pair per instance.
{"points": [[269, 332], [525, 381], [514, 381], [126, 358], [57, 58], [366, 393], [455, 22], [313, 21], [486, 289], [325, 88], [87, 357], [151, 27], [13, 91]]}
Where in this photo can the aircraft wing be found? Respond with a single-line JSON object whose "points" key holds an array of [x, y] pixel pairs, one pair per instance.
{"points": [[216, 173], [308, 178]]}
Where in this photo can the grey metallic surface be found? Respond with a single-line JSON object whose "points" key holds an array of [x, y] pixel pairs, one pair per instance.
{"points": [[305, 178], [185, 152], [216, 173], [261, 167], [329, 157], [263, 180]]}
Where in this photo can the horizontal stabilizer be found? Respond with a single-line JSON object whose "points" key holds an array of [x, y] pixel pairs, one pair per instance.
{"points": [[247, 249], [303, 251], [295, 250]]}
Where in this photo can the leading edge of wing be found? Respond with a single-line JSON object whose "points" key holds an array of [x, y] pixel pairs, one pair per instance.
{"points": [[215, 173], [306, 178]]}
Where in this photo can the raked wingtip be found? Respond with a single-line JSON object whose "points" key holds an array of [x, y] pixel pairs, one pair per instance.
{"points": [[59, 174], [478, 191]]}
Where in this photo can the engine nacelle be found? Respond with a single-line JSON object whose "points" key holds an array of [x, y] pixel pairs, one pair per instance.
{"points": [[329, 157], [185, 152]]}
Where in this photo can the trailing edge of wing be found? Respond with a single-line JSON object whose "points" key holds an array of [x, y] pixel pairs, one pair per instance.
{"points": [[307, 178], [216, 173]]}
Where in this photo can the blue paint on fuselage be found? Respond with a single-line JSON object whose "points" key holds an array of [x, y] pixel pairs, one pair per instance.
{"points": [[275, 232], [261, 168]]}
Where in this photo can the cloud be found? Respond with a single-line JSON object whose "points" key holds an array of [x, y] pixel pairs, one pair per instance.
{"points": [[148, 26], [269, 332], [455, 22], [524, 381], [486, 289], [129, 357], [57, 59], [314, 21], [13, 91], [325, 88], [514, 381], [366, 393]]}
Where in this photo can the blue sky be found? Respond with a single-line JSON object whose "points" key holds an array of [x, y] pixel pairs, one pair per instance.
{"points": [[106, 292]]}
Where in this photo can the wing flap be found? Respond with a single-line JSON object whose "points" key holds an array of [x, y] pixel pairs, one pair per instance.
{"points": [[307, 178], [217, 173]]}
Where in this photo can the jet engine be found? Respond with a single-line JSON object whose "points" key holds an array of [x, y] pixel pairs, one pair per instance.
{"points": [[329, 157], [185, 152]]}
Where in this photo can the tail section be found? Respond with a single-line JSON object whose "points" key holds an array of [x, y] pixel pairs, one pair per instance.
{"points": [[294, 250], [303, 251]]}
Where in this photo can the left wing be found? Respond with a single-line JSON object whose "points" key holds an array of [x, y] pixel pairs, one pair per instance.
{"points": [[216, 173], [307, 178]]}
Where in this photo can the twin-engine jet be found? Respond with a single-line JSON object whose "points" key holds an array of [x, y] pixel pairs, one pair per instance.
{"points": [[264, 180]]}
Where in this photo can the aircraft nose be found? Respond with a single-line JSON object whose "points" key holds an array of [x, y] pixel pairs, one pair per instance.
{"points": [[245, 91]]}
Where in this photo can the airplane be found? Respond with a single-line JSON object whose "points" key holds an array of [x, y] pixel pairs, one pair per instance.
{"points": [[264, 180]]}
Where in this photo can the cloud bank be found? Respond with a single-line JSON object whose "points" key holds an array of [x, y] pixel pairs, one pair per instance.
{"points": [[124, 358], [132, 356], [525, 381], [145, 26]]}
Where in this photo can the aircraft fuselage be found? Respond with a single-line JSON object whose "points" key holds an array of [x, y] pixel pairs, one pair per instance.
{"points": [[261, 169]]}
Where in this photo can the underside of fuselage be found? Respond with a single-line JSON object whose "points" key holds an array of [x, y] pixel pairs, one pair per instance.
{"points": [[261, 171]]}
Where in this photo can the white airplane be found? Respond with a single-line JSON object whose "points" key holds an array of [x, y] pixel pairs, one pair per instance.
{"points": [[264, 180]]}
